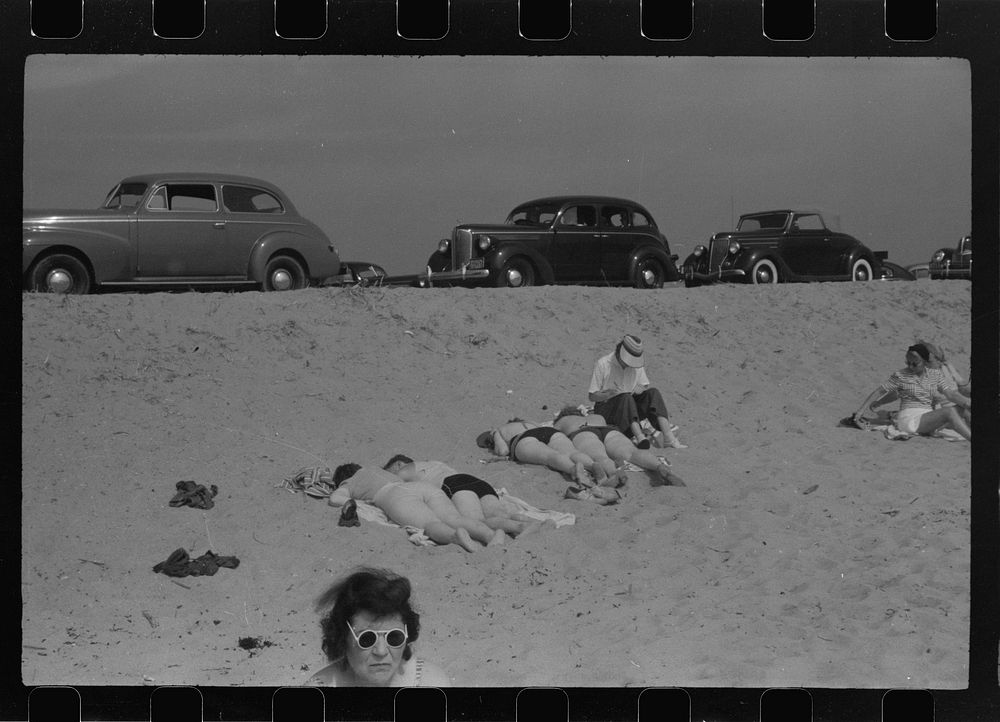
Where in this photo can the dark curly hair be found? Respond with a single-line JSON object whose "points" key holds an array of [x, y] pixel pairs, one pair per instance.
{"points": [[344, 472], [376, 591], [398, 457]]}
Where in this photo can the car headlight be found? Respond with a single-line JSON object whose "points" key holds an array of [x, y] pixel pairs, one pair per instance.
{"points": [[484, 243], [443, 245], [938, 257], [698, 251], [734, 247]]}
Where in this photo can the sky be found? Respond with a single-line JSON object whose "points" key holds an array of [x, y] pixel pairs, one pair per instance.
{"points": [[387, 154]]}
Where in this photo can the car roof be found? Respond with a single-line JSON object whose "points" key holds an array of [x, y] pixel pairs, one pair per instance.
{"points": [[560, 200], [200, 176], [784, 210]]}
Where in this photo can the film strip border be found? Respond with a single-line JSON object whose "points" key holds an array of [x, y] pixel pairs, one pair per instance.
{"points": [[904, 28], [543, 20]]}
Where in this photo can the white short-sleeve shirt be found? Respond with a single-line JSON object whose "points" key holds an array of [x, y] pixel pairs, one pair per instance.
{"points": [[609, 375]]}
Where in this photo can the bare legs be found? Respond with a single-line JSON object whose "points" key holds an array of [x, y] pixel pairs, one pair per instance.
{"points": [[945, 417], [621, 449], [591, 445], [533, 451]]}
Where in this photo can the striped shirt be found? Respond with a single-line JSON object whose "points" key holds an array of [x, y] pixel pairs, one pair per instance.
{"points": [[917, 391]]}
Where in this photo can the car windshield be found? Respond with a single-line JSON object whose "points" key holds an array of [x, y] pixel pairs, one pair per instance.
{"points": [[539, 214], [763, 221], [125, 195]]}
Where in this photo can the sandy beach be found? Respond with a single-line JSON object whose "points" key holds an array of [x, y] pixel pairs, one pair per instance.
{"points": [[799, 554]]}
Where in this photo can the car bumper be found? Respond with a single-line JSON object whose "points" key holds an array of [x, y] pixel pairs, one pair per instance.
{"points": [[721, 275], [462, 276]]}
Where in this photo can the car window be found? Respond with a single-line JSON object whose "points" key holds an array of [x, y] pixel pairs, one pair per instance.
{"points": [[585, 216], [614, 217], [187, 197], [641, 219], [243, 199], [125, 195], [532, 215], [762, 222], [158, 201], [808, 222]]}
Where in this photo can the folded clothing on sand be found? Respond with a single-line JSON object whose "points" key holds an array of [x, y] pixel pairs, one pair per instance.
{"points": [[179, 564], [196, 495]]}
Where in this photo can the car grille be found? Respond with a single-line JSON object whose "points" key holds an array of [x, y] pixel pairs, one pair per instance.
{"points": [[717, 251], [461, 248]]}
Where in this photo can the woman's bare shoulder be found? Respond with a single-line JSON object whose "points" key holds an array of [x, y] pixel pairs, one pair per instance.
{"points": [[326, 677]]}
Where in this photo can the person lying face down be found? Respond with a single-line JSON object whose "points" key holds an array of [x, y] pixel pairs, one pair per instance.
{"points": [[369, 628], [472, 496], [418, 504], [606, 444], [530, 443]]}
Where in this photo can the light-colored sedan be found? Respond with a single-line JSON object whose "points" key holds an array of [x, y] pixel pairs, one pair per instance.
{"points": [[177, 230]]}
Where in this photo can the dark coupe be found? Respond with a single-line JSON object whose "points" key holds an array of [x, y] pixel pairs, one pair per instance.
{"points": [[177, 230], [955, 262], [559, 240], [781, 246]]}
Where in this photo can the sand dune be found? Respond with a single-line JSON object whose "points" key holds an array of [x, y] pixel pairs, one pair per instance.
{"points": [[800, 553]]}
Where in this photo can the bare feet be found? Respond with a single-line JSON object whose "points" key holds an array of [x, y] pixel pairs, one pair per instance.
{"points": [[499, 537], [465, 541], [667, 477], [575, 492]]}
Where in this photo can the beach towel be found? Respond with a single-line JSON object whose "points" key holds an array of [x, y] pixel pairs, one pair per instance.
{"points": [[893, 433], [370, 512]]}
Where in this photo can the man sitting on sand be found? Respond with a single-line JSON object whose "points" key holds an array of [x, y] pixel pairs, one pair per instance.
{"points": [[472, 496], [415, 504], [621, 394]]}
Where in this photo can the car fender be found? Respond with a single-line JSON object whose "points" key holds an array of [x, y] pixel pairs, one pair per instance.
{"points": [[109, 256], [319, 264], [862, 253], [747, 257], [666, 260], [508, 250]]}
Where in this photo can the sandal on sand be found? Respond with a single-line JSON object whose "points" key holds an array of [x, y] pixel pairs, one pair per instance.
{"points": [[349, 514], [856, 422]]}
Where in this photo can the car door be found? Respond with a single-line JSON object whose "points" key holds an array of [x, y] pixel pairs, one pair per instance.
{"points": [[808, 248], [616, 239], [575, 252], [250, 213], [181, 233]]}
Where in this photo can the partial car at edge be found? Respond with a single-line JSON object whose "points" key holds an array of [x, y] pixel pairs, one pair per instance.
{"points": [[177, 230], [955, 262]]}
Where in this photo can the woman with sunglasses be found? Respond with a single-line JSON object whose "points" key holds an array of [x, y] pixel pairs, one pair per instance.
{"points": [[916, 386], [369, 629]]}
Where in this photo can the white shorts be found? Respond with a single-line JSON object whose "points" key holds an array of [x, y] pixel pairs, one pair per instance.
{"points": [[907, 420]]}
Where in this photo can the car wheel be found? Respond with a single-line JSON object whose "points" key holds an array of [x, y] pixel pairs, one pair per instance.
{"points": [[60, 273], [284, 273], [861, 270], [516, 273], [763, 271], [649, 274]]}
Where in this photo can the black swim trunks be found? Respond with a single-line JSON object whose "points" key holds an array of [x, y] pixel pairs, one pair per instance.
{"points": [[466, 482], [542, 433], [601, 432]]}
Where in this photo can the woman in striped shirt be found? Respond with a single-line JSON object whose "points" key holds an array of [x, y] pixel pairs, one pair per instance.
{"points": [[916, 386]]}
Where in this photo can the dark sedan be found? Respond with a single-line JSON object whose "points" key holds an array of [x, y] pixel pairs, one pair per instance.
{"points": [[583, 240], [781, 246], [177, 230]]}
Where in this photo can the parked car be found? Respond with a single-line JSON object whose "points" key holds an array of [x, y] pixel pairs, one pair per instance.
{"points": [[953, 262], [894, 272], [919, 270], [781, 246], [558, 240], [177, 230]]}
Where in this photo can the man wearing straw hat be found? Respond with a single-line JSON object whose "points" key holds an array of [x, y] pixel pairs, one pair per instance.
{"points": [[621, 394]]}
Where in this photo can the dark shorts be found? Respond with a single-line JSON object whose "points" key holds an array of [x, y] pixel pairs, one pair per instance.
{"points": [[542, 433], [601, 432], [466, 482]]}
